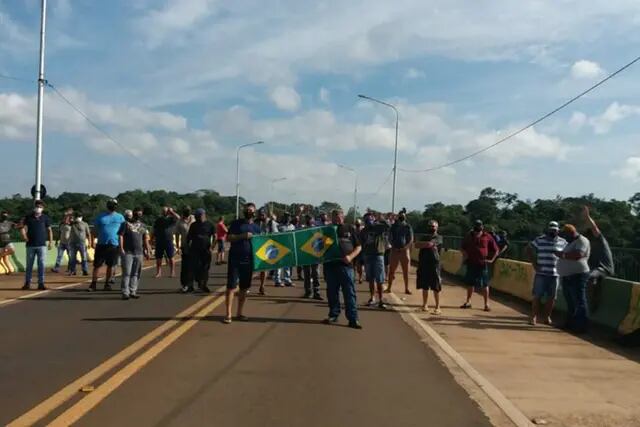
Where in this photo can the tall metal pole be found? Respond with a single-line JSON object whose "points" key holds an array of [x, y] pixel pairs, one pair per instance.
{"points": [[395, 151], [238, 174], [41, 83]]}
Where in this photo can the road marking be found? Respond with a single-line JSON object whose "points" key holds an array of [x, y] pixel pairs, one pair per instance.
{"points": [[50, 404], [86, 404], [508, 408]]}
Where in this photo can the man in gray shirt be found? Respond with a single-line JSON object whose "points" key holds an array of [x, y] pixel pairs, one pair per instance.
{"points": [[134, 245], [573, 268], [79, 235], [600, 260]]}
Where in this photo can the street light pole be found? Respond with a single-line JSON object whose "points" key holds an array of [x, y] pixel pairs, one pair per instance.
{"points": [[395, 151], [273, 181], [238, 174], [41, 84], [355, 192]]}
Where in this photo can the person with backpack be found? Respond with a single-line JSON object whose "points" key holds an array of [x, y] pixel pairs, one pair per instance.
{"points": [[374, 238]]}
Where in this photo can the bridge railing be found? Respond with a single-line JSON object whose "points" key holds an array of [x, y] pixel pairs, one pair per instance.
{"points": [[626, 260]]}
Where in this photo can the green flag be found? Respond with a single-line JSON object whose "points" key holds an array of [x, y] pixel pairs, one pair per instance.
{"points": [[302, 247]]}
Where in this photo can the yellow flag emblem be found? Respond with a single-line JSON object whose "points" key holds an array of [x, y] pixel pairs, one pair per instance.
{"points": [[317, 245], [272, 252]]}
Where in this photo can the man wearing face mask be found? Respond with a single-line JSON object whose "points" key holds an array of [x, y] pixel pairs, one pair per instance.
{"points": [[374, 239], [64, 235], [476, 249], [401, 235], [201, 242], [163, 234], [79, 236], [573, 268], [542, 252], [240, 267], [107, 251], [36, 231], [134, 245], [283, 275], [428, 274]]}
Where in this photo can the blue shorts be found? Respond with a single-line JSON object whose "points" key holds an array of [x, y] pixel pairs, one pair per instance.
{"points": [[477, 276], [220, 243], [544, 285], [239, 273], [165, 250], [374, 268]]}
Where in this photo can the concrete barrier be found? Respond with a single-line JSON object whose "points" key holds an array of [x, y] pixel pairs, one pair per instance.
{"points": [[19, 258], [619, 306]]}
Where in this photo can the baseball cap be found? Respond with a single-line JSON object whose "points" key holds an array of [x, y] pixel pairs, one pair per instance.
{"points": [[478, 222], [199, 212], [553, 225]]}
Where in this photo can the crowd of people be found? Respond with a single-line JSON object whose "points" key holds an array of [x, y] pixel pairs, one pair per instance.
{"points": [[376, 247]]}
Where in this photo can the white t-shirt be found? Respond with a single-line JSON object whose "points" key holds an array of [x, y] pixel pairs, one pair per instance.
{"points": [[569, 267]]}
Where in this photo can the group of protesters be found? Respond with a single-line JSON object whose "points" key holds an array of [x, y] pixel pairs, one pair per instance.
{"points": [[376, 247]]}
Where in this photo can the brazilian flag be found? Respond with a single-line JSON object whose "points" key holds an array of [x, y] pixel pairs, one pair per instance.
{"points": [[301, 247]]}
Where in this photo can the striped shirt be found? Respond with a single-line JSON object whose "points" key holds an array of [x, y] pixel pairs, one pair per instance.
{"points": [[546, 259]]}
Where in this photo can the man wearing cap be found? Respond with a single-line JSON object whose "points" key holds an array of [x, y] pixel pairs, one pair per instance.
{"points": [[201, 243], [573, 268], [542, 252], [476, 249], [36, 231], [107, 251]]}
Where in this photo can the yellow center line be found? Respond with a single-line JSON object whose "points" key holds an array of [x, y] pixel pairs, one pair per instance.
{"points": [[50, 404], [86, 404]]}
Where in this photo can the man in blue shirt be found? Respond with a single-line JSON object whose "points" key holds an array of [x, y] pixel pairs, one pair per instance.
{"points": [[107, 251], [36, 231], [240, 267]]}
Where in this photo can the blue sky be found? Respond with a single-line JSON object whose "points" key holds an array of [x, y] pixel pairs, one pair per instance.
{"points": [[181, 83]]}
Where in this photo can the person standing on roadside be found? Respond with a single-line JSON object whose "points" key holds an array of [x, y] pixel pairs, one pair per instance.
{"points": [[479, 250], [79, 237], [6, 247], [374, 239], [283, 275], [600, 261], [240, 266], [401, 235], [107, 249], [221, 238], [163, 234], [36, 231], [428, 274], [134, 247], [573, 268], [64, 235], [181, 231], [542, 252], [201, 244], [310, 272], [339, 274], [266, 226], [359, 261]]}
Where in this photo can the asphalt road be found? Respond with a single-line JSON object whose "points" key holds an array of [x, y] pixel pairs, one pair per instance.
{"points": [[282, 368]]}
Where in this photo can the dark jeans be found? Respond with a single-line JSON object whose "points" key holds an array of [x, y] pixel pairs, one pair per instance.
{"points": [[574, 289], [74, 250], [311, 279], [340, 276], [201, 262], [186, 270]]}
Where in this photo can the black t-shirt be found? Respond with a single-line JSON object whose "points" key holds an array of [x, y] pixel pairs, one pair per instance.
{"points": [[348, 240], [375, 238], [133, 237], [430, 258], [200, 235], [401, 235], [37, 229], [163, 229]]}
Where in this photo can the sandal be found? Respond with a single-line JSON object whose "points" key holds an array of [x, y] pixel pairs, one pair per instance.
{"points": [[437, 312]]}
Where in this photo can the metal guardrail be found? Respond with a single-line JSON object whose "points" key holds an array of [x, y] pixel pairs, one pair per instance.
{"points": [[626, 260]]}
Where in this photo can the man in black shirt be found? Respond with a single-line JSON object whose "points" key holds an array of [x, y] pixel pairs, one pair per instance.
{"points": [[200, 242], [163, 234], [339, 274], [401, 235], [36, 231], [428, 276]]}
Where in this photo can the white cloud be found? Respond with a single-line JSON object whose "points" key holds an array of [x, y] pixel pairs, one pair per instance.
{"points": [[285, 98], [614, 113], [630, 170], [414, 73], [585, 69], [324, 95], [578, 120], [528, 144]]}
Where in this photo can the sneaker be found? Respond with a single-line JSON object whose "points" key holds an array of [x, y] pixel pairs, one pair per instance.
{"points": [[42, 288], [318, 297], [135, 296], [306, 295], [330, 320], [290, 285], [465, 305], [26, 287], [55, 270], [371, 302], [227, 320], [437, 312], [355, 325], [91, 288], [548, 321], [125, 297], [107, 287], [533, 321], [279, 285], [242, 318], [382, 305]]}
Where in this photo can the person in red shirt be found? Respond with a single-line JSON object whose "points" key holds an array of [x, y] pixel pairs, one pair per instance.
{"points": [[221, 237], [479, 249]]}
